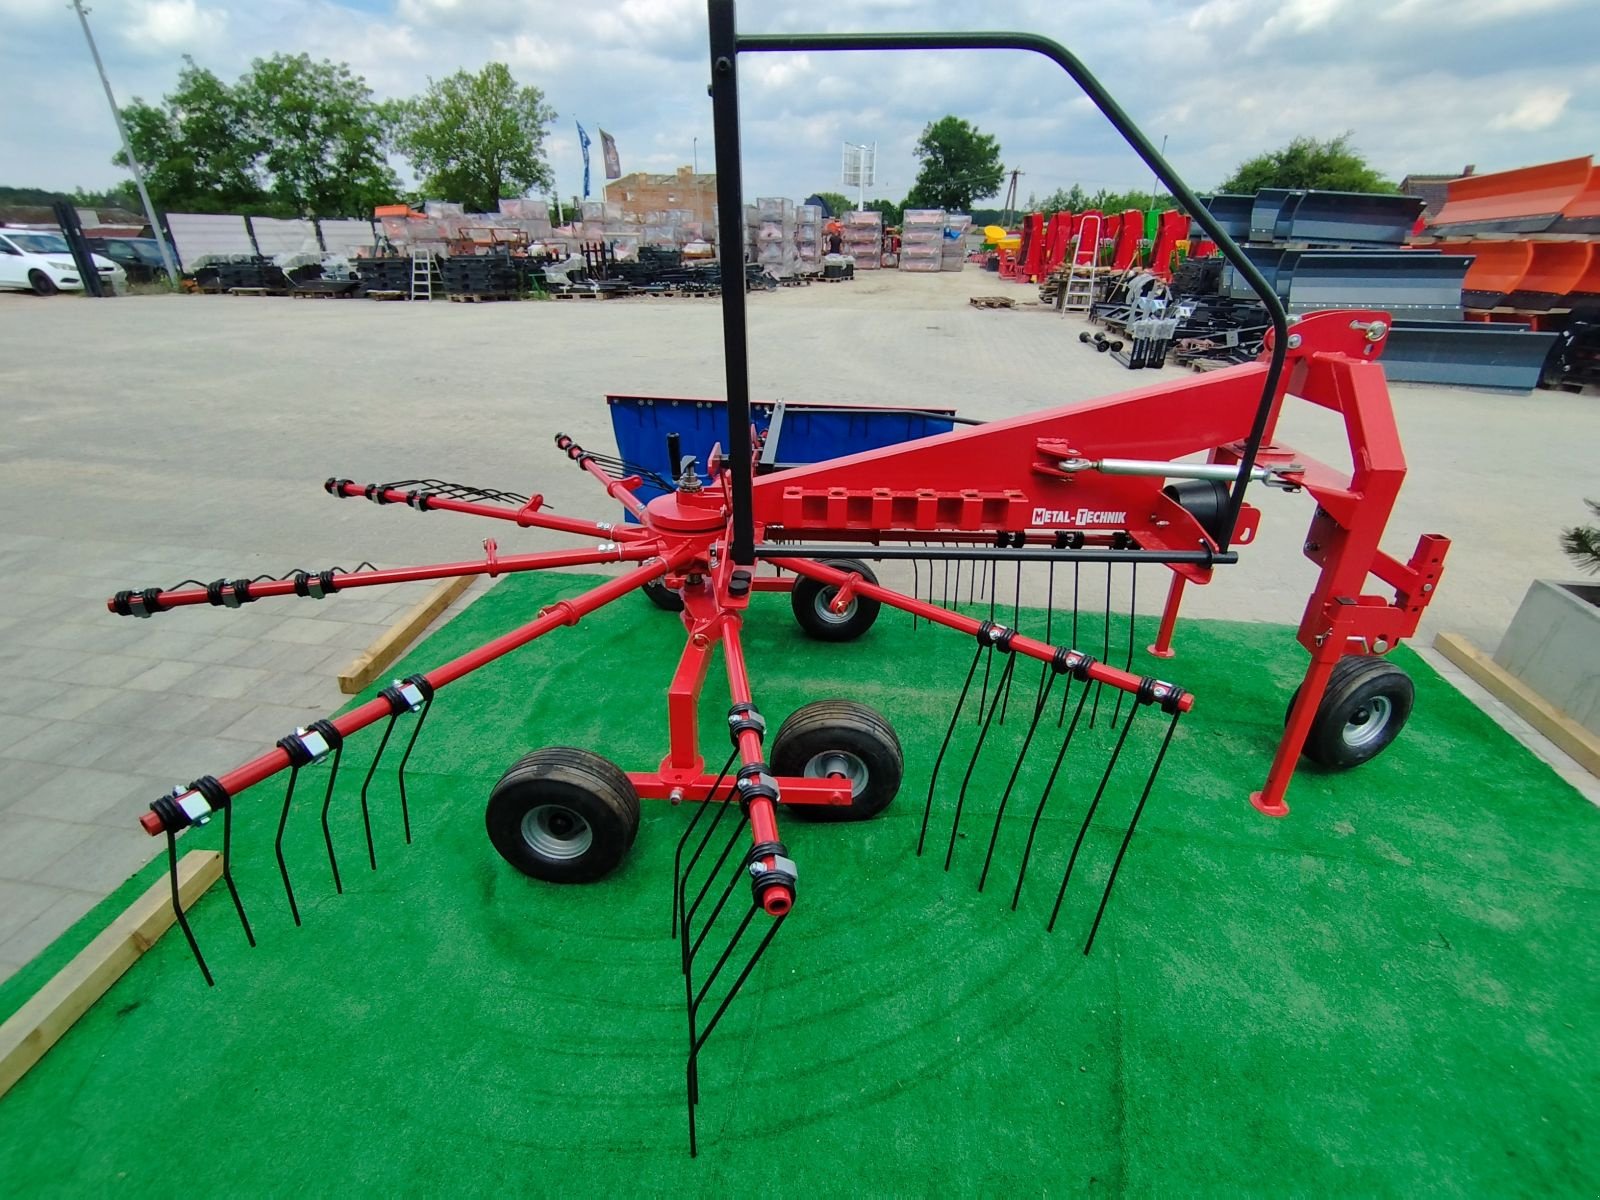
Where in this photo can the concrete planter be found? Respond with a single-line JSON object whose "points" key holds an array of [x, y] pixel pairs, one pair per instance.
{"points": [[1553, 646]]}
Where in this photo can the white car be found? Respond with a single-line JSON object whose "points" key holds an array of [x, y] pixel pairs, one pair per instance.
{"points": [[39, 261]]}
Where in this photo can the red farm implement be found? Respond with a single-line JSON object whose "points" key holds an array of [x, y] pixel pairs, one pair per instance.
{"points": [[1109, 485]]}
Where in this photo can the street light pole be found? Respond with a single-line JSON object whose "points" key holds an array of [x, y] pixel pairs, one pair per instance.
{"points": [[127, 148]]}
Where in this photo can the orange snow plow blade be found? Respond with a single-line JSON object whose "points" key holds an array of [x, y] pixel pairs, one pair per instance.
{"points": [[1582, 215], [1526, 200], [1557, 268], [1497, 269]]}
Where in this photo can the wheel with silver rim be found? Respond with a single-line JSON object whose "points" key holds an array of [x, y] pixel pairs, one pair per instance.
{"points": [[844, 741], [812, 602], [1363, 709], [563, 815]]}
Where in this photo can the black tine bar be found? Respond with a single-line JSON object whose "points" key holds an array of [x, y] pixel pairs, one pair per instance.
{"points": [[227, 871], [1038, 813], [961, 798], [1038, 711], [177, 909], [1127, 837], [1016, 611], [400, 773], [327, 833], [277, 845], [1127, 664], [372, 769], [711, 878], [700, 810], [1105, 778], [1067, 691], [916, 588], [933, 780], [1105, 650]]}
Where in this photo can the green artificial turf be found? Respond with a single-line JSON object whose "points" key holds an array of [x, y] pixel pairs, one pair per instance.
{"points": [[1393, 991]]}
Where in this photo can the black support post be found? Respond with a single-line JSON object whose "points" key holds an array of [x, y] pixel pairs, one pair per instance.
{"points": [[730, 246]]}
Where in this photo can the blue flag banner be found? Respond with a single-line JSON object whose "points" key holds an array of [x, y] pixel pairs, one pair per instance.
{"points": [[583, 140]]}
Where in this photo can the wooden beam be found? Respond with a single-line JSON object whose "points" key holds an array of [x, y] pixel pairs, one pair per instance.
{"points": [[375, 659], [54, 1008], [1533, 708]]}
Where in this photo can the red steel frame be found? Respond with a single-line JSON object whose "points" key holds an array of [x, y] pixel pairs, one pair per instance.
{"points": [[1010, 475]]}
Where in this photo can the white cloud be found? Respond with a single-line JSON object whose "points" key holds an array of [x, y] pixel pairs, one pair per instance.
{"points": [[1538, 109], [1422, 84], [175, 25]]}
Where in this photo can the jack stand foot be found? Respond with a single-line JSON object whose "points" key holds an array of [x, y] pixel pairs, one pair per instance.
{"points": [[1156, 652], [1277, 809]]}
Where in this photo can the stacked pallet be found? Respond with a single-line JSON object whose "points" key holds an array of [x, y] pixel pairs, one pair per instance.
{"points": [[922, 239], [808, 233], [953, 253], [863, 238], [775, 233]]}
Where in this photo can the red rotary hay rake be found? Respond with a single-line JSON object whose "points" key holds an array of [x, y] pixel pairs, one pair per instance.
{"points": [[1097, 483]]}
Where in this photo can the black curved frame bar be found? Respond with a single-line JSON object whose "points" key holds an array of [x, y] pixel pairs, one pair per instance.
{"points": [[727, 45]]}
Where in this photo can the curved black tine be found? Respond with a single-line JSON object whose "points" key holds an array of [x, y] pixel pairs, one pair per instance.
{"points": [[933, 780], [983, 694], [400, 772], [961, 798], [327, 802], [1127, 665], [916, 588], [177, 909], [1127, 837], [1105, 778], [1038, 813], [677, 858], [1105, 650], [1038, 711], [1067, 691], [1016, 613], [372, 769], [283, 820], [733, 879], [227, 870], [944, 594], [711, 877]]}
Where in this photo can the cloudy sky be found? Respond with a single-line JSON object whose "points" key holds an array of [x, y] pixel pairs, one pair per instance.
{"points": [[1424, 85]]}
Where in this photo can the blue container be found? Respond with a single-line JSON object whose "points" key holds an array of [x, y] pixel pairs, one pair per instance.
{"points": [[807, 433]]}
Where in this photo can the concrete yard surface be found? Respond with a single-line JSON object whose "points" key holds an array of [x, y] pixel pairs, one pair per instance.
{"points": [[153, 439]]}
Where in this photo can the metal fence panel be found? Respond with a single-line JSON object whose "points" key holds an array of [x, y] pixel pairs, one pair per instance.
{"points": [[276, 236], [195, 235]]}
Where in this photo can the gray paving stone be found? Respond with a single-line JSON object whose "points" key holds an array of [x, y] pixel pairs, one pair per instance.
{"points": [[266, 723], [42, 662], [227, 682], [72, 744], [102, 862], [86, 795], [32, 843], [33, 937], [74, 701], [21, 902], [164, 676], [14, 729], [21, 696], [303, 630], [105, 670]]}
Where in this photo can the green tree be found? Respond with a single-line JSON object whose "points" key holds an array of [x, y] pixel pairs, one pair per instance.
{"points": [[1076, 199], [836, 202], [319, 134], [1307, 163], [893, 214], [959, 165], [476, 138], [198, 147]]}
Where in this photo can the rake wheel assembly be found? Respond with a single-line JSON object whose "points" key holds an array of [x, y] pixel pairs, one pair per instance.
{"points": [[1082, 492]]}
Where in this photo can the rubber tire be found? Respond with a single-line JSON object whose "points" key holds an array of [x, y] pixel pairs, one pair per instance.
{"points": [[591, 786], [1355, 681], [825, 725], [857, 619], [1085, 337], [662, 596], [42, 284], [1102, 346]]}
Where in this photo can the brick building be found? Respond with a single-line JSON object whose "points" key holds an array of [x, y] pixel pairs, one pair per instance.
{"points": [[641, 193]]}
